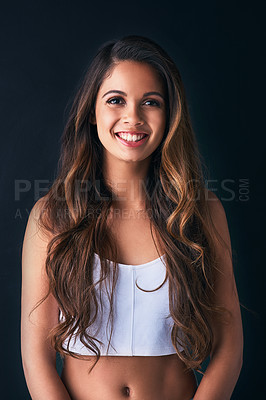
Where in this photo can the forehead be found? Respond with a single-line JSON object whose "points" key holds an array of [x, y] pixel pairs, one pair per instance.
{"points": [[132, 75]]}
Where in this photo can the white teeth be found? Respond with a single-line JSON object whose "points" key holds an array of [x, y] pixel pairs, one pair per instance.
{"points": [[130, 138]]}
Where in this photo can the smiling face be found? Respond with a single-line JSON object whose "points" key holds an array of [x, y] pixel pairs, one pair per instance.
{"points": [[132, 100]]}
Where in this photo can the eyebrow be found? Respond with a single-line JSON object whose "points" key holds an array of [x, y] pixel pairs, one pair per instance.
{"points": [[124, 94]]}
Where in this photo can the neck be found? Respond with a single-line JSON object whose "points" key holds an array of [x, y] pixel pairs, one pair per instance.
{"points": [[127, 181]]}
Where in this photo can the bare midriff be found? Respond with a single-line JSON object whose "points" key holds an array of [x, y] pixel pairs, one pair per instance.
{"points": [[133, 377]]}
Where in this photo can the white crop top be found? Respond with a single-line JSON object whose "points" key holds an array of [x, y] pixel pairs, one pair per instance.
{"points": [[142, 322]]}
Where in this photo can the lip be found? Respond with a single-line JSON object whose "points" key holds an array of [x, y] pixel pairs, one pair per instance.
{"points": [[132, 132], [131, 144]]}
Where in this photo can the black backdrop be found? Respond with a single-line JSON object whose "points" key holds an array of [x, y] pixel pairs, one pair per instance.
{"points": [[46, 46]]}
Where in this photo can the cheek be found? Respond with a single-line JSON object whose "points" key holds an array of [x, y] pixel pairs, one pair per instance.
{"points": [[159, 122], [107, 119]]}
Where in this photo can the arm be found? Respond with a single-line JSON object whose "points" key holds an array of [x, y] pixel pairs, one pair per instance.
{"points": [[226, 356], [38, 357]]}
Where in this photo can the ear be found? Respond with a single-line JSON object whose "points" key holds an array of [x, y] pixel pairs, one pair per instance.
{"points": [[92, 118]]}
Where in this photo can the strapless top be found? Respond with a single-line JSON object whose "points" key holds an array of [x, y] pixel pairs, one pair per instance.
{"points": [[142, 322]]}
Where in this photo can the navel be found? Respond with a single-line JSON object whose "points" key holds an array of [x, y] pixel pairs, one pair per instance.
{"points": [[126, 391]]}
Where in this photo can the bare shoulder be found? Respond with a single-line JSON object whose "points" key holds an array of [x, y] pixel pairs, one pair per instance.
{"points": [[225, 281], [34, 251], [38, 208], [219, 219], [35, 282], [33, 229], [214, 203], [39, 308]]}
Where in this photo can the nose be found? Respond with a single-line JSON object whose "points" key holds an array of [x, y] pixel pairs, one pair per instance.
{"points": [[132, 115]]}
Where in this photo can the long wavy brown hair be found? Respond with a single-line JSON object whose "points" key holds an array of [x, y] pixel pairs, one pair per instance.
{"points": [[75, 210]]}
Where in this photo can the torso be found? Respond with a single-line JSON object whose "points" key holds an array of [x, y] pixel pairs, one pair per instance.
{"points": [[136, 378]]}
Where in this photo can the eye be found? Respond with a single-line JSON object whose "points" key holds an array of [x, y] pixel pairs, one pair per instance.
{"points": [[155, 102], [117, 101], [111, 101]]}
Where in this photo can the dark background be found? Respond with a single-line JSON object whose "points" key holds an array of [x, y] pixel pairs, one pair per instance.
{"points": [[217, 46]]}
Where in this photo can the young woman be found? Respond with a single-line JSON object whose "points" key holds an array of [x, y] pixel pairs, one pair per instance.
{"points": [[126, 265]]}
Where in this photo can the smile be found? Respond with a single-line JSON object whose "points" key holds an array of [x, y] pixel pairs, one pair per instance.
{"points": [[129, 137], [131, 140]]}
